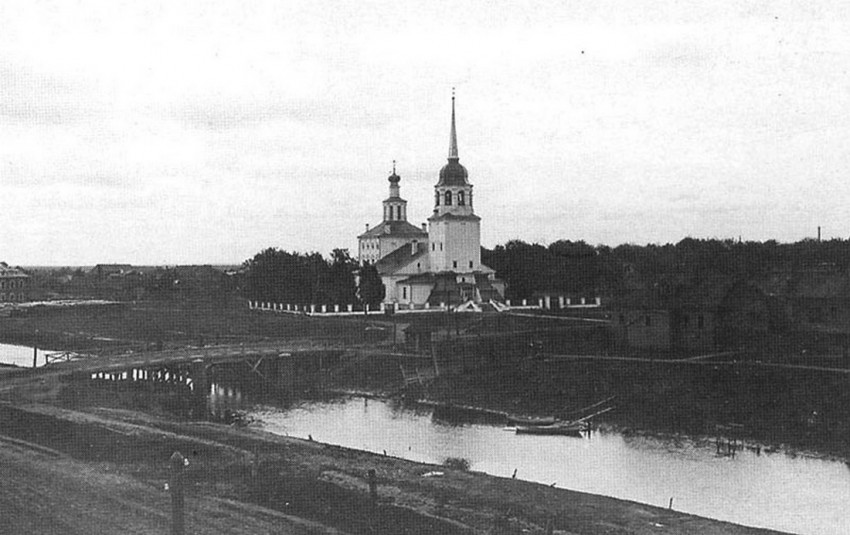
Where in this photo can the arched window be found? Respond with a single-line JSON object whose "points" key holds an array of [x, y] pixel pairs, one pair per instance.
{"points": [[460, 200], [437, 198], [398, 212], [448, 198]]}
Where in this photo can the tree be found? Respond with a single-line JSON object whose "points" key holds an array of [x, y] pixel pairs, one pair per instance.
{"points": [[281, 277], [371, 290], [340, 287]]}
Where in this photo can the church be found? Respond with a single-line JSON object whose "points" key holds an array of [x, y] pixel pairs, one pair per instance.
{"points": [[439, 263]]}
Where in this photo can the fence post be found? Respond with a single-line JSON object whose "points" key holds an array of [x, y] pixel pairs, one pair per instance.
{"points": [[373, 486], [177, 462]]}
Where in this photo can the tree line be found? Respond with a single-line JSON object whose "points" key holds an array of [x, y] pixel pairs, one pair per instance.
{"points": [[281, 276], [568, 267], [577, 267]]}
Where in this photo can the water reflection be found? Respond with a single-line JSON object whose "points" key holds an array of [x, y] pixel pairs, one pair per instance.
{"points": [[20, 356], [184, 392], [800, 495]]}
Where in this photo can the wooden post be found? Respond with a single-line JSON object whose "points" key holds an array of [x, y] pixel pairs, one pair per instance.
{"points": [[671, 504], [177, 463], [373, 486]]}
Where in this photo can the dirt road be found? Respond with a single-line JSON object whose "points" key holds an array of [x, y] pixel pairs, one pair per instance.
{"points": [[46, 492]]}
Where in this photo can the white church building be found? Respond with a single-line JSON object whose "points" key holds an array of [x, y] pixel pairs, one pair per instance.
{"points": [[439, 263]]}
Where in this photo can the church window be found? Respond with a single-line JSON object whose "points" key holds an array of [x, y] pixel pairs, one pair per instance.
{"points": [[437, 198], [441, 246], [448, 198], [404, 292], [460, 200], [470, 264], [398, 213], [433, 246], [454, 263]]}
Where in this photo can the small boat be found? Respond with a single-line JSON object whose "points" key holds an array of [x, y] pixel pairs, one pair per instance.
{"points": [[568, 428], [526, 421]]}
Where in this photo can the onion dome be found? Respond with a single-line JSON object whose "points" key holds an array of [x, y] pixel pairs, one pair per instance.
{"points": [[453, 174], [394, 178]]}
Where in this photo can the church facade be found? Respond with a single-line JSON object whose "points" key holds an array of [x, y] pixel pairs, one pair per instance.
{"points": [[439, 263]]}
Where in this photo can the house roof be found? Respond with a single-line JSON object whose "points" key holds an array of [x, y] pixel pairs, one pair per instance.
{"points": [[7, 271], [400, 258], [811, 285], [419, 278], [401, 229], [454, 217]]}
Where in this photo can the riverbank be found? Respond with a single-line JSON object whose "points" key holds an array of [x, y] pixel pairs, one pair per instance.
{"points": [[795, 409], [259, 477]]}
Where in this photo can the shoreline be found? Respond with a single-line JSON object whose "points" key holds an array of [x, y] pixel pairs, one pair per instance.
{"points": [[252, 463], [768, 447]]}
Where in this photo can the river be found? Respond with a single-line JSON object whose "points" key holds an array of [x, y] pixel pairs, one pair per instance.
{"points": [[786, 492], [19, 355]]}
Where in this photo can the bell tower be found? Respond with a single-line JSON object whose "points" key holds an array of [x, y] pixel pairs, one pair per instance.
{"points": [[395, 208], [454, 230]]}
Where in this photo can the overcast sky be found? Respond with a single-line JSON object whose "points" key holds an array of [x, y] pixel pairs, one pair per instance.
{"points": [[203, 132]]}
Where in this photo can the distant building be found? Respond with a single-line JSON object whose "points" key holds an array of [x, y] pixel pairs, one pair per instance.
{"points": [[713, 316], [14, 284], [817, 304], [107, 270], [440, 265]]}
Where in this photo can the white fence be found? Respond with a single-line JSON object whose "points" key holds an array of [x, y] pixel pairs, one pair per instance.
{"points": [[544, 303]]}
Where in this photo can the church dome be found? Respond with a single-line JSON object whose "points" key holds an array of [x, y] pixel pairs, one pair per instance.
{"points": [[453, 174], [394, 178]]}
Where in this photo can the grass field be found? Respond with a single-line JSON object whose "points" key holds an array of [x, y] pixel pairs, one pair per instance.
{"points": [[178, 323]]}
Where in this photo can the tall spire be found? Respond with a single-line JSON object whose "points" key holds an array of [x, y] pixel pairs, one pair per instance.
{"points": [[453, 136]]}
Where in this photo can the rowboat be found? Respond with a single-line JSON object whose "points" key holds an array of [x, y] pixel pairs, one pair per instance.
{"points": [[528, 421], [570, 428]]}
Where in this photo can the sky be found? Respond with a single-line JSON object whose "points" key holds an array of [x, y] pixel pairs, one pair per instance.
{"points": [[204, 132]]}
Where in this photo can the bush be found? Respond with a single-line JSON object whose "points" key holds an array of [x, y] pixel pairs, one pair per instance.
{"points": [[456, 463]]}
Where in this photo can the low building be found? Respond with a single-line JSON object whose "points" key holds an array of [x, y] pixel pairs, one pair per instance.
{"points": [[717, 315], [643, 320], [14, 284], [111, 270], [817, 304]]}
